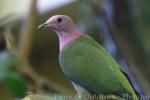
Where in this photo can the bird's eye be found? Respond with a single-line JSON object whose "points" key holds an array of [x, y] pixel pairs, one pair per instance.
{"points": [[59, 20]]}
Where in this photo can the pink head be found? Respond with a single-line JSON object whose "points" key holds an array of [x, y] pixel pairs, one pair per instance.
{"points": [[60, 23], [64, 27]]}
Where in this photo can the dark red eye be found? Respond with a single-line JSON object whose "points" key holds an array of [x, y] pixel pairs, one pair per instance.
{"points": [[59, 19]]}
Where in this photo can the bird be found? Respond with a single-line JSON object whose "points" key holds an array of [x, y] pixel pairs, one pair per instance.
{"points": [[86, 63]]}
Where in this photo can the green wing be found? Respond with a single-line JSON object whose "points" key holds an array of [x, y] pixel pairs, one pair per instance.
{"points": [[88, 64]]}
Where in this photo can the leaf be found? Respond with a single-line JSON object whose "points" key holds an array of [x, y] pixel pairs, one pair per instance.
{"points": [[16, 84], [6, 62]]}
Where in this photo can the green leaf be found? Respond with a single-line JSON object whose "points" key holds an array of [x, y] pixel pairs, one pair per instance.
{"points": [[16, 84], [6, 62]]}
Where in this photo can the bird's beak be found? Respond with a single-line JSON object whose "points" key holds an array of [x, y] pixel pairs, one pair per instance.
{"points": [[43, 25]]}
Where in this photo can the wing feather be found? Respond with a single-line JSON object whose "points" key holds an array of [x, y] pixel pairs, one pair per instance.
{"points": [[87, 63]]}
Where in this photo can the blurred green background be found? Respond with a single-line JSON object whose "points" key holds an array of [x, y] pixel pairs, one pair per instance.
{"points": [[29, 56]]}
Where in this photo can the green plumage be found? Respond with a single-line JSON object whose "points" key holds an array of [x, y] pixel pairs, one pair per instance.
{"points": [[88, 64]]}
